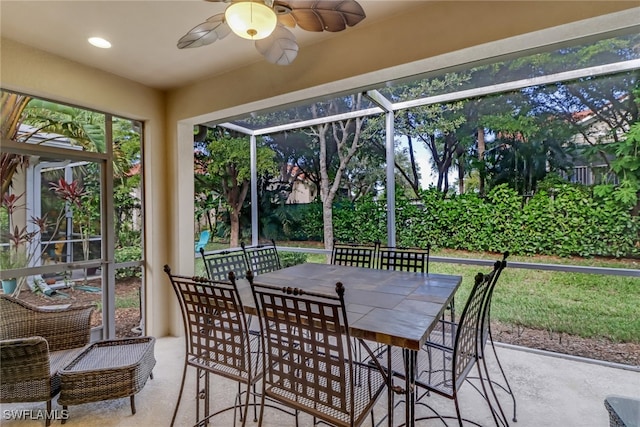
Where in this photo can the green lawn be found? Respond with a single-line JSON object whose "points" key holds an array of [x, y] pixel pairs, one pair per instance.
{"points": [[587, 305]]}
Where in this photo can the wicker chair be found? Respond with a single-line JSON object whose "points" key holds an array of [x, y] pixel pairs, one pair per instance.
{"points": [[308, 361], [262, 258], [217, 341], [35, 344], [219, 264], [354, 254]]}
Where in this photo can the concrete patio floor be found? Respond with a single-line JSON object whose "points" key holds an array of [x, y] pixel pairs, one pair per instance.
{"points": [[550, 391]]}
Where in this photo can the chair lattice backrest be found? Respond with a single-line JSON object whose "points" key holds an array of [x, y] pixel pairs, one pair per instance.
{"points": [[404, 259], [262, 258], [219, 264], [465, 351], [216, 332], [354, 254], [307, 355]]}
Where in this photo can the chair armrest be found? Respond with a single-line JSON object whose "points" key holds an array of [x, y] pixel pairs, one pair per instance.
{"points": [[24, 362]]}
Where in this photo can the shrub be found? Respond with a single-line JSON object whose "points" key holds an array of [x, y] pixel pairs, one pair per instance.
{"points": [[287, 259], [126, 254]]}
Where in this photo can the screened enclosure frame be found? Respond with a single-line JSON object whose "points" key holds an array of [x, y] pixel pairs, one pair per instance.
{"points": [[106, 262], [383, 105]]}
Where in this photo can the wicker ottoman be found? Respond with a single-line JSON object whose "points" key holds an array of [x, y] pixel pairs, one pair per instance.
{"points": [[108, 369]]}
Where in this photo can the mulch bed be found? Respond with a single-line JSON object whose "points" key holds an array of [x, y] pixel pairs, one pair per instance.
{"points": [[592, 348]]}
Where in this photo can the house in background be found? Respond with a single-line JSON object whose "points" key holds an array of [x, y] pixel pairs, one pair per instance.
{"points": [[303, 189], [594, 170]]}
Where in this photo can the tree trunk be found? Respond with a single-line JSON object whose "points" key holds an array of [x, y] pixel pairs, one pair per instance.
{"points": [[327, 199], [327, 219], [481, 150], [415, 182], [461, 174], [234, 238], [346, 135]]}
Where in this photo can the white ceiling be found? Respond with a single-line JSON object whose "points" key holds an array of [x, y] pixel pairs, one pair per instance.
{"points": [[144, 35]]}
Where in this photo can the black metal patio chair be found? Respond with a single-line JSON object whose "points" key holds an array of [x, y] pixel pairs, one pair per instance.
{"points": [[308, 361], [219, 264], [354, 254], [263, 258], [217, 341], [452, 351]]}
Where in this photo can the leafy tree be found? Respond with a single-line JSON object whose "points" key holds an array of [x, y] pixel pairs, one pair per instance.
{"points": [[297, 157], [526, 149], [627, 166], [326, 155], [225, 165], [80, 126], [406, 168], [345, 137], [600, 110], [127, 181], [434, 125]]}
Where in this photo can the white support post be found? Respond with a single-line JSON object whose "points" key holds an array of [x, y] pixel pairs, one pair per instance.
{"points": [[391, 180], [254, 191]]}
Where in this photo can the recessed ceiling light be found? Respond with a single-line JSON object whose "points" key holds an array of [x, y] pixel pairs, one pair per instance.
{"points": [[99, 42]]}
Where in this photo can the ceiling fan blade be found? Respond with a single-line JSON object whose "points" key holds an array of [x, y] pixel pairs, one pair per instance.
{"points": [[280, 47], [286, 20], [206, 33], [325, 15]]}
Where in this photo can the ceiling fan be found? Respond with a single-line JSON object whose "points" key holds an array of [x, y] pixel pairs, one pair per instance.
{"points": [[265, 22]]}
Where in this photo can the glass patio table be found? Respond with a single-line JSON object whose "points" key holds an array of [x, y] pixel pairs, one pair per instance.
{"points": [[395, 308]]}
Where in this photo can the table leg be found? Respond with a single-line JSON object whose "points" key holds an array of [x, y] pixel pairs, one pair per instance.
{"points": [[390, 391], [409, 357]]}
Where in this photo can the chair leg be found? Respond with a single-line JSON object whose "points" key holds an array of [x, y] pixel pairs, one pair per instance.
{"points": [[238, 403], [246, 406], [507, 386], [175, 411], [132, 398], [255, 405], [262, 402], [458, 411], [487, 398], [47, 422]]}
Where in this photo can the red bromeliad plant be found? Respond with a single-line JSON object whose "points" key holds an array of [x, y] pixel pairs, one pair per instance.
{"points": [[26, 246], [71, 192]]}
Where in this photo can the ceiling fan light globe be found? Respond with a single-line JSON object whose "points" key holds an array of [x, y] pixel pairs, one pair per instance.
{"points": [[250, 19]]}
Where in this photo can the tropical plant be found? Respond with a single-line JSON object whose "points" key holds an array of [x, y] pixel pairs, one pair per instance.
{"points": [[24, 246], [12, 106], [81, 205]]}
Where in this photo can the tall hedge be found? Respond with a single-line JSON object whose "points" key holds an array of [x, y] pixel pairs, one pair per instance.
{"points": [[561, 219]]}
